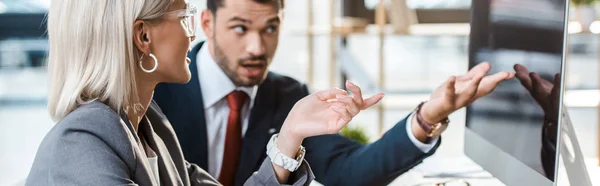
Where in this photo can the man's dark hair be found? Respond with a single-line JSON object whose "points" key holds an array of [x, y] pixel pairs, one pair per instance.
{"points": [[213, 5]]}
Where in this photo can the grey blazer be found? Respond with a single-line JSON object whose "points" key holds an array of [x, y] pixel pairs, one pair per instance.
{"points": [[93, 145]]}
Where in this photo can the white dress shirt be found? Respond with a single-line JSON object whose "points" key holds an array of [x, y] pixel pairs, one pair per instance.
{"points": [[152, 159], [215, 87], [154, 166]]}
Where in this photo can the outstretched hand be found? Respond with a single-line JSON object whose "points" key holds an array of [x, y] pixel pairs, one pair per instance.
{"points": [[324, 112], [327, 112], [460, 91]]}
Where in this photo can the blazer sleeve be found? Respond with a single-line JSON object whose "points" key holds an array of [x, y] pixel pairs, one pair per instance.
{"points": [[79, 157], [199, 177], [378, 163], [266, 175]]}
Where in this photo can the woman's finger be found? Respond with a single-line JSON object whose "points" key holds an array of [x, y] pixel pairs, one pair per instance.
{"points": [[350, 104], [372, 100], [356, 93], [344, 118], [325, 95]]}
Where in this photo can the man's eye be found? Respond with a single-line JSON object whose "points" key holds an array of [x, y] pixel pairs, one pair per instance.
{"points": [[272, 29], [239, 29]]}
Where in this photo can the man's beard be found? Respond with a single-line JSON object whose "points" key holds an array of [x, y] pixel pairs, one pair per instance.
{"points": [[224, 62]]}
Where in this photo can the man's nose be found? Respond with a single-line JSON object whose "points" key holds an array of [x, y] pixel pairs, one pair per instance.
{"points": [[255, 45]]}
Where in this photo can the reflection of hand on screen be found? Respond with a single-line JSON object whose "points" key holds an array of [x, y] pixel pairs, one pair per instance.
{"points": [[546, 94], [460, 91]]}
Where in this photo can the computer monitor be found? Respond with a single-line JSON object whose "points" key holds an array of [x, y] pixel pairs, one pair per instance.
{"points": [[512, 132]]}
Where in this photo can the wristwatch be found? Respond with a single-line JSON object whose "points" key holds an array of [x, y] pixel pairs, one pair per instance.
{"points": [[280, 159], [431, 129]]}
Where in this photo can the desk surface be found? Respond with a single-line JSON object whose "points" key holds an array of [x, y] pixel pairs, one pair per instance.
{"points": [[437, 169]]}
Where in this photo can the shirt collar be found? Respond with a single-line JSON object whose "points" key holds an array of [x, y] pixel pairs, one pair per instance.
{"points": [[214, 82]]}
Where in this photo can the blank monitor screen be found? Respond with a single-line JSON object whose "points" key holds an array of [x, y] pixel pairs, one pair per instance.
{"points": [[512, 132]]}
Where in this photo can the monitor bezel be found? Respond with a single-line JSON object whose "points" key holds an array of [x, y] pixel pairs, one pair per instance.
{"points": [[513, 171]]}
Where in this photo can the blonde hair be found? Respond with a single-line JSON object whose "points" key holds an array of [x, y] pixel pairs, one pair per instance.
{"points": [[92, 55]]}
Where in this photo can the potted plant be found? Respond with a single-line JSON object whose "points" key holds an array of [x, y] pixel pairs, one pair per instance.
{"points": [[357, 134]]}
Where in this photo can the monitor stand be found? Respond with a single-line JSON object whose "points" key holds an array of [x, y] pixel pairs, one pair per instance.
{"points": [[570, 155]]}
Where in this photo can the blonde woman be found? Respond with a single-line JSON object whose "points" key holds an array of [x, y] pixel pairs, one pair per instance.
{"points": [[106, 57]]}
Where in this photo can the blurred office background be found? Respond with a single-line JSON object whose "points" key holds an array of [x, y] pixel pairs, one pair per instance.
{"points": [[415, 61]]}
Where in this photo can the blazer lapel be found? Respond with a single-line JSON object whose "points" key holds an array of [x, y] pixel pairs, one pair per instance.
{"points": [[168, 173], [257, 134], [142, 167]]}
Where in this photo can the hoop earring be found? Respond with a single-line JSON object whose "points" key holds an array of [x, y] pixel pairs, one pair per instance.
{"points": [[155, 63]]}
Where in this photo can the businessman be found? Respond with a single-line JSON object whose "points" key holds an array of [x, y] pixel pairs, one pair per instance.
{"points": [[242, 40]]}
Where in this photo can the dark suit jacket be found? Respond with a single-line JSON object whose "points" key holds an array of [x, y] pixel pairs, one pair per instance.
{"points": [[335, 160]]}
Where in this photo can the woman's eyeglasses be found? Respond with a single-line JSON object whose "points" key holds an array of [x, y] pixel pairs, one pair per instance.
{"points": [[190, 19]]}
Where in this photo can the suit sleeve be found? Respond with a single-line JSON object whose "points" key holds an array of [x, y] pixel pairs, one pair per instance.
{"points": [[378, 163]]}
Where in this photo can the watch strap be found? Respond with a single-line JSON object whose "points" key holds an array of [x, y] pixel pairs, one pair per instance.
{"points": [[429, 128], [280, 159]]}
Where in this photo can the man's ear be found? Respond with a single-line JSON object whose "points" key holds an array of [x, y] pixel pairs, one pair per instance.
{"points": [[207, 20], [141, 36], [281, 13]]}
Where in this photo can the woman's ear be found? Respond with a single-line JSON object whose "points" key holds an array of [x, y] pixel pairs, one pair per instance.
{"points": [[141, 38]]}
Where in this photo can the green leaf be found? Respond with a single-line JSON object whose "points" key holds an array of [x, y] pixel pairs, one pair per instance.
{"points": [[357, 134], [583, 2]]}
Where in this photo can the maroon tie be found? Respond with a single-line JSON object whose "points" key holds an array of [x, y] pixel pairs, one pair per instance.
{"points": [[233, 138]]}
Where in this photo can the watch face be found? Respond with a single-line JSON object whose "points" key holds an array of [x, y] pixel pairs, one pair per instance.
{"points": [[438, 128], [300, 155]]}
